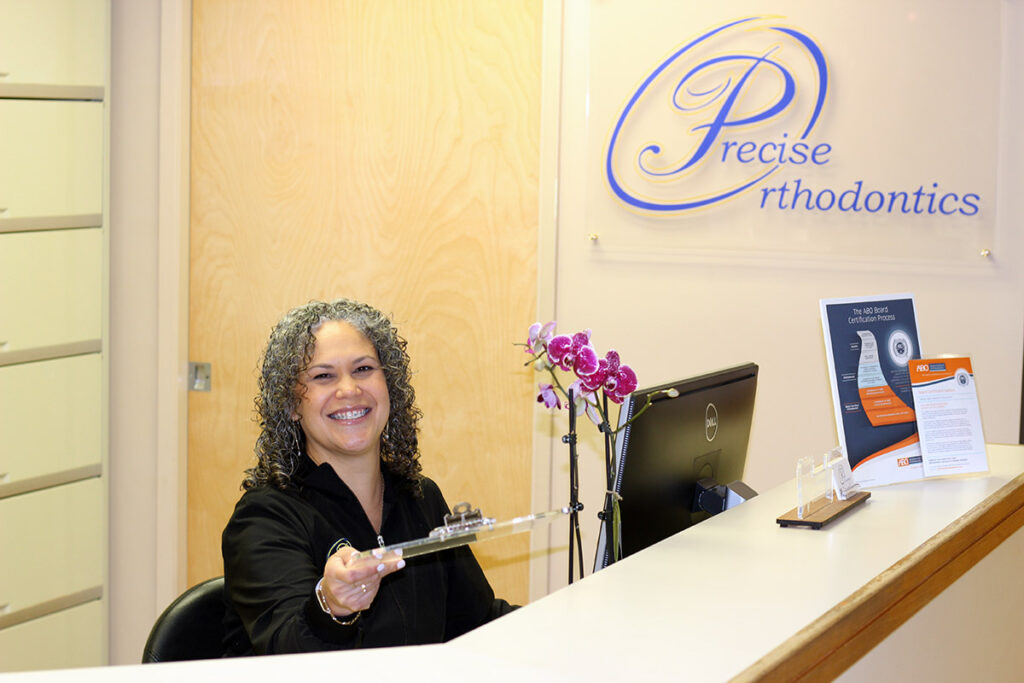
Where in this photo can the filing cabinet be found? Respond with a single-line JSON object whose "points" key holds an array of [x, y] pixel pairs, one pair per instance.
{"points": [[53, 365]]}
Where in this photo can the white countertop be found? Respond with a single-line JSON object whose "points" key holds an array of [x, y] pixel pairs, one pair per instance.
{"points": [[722, 594]]}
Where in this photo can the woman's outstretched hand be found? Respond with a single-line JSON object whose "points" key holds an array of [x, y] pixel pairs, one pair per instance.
{"points": [[351, 584]]}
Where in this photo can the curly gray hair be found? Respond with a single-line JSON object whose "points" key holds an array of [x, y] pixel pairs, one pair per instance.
{"points": [[281, 442]]}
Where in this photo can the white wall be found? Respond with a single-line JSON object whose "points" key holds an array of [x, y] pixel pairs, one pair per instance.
{"points": [[148, 315], [673, 316]]}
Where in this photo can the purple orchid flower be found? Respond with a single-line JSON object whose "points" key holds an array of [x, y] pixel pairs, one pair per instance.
{"points": [[573, 353], [548, 397], [539, 337], [597, 378], [594, 375], [620, 380], [585, 401], [559, 351]]}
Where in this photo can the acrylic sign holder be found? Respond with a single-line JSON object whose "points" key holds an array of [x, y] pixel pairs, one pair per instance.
{"points": [[825, 491]]}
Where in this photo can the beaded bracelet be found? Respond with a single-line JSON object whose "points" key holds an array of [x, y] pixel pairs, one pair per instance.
{"points": [[322, 599]]}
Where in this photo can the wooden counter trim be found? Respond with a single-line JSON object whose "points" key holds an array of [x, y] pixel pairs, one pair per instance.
{"points": [[832, 643]]}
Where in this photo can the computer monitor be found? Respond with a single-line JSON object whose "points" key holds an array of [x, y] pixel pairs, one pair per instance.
{"points": [[696, 433]]}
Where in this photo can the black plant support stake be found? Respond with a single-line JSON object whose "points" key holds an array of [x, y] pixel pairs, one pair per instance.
{"points": [[575, 541]]}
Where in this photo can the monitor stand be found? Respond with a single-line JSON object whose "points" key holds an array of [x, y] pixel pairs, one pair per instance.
{"points": [[714, 498]]}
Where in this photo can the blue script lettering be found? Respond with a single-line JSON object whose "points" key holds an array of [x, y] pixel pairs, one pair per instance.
{"points": [[777, 152], [720, 104], [722, 119], [795, 195]]}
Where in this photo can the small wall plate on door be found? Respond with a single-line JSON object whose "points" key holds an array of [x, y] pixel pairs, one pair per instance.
{"points": [[199, 376]]}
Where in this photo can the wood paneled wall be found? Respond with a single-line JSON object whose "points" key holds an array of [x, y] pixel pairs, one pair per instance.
{"points": [[385, 151]]}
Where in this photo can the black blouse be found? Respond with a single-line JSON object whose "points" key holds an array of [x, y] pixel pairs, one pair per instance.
{"points": [[277, 542]]}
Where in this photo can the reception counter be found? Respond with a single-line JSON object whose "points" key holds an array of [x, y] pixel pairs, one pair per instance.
{"points": [[736, 597]]}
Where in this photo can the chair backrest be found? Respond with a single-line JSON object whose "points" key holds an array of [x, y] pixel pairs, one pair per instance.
{"points": [[192, 627]]}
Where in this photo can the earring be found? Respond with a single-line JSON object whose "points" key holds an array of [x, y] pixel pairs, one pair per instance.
{"points": [[295, 440]]}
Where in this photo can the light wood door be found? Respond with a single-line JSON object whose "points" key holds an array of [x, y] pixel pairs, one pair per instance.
{"points": [[385, 151]]}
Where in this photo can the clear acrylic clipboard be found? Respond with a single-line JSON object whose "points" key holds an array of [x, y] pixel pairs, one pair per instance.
{"points": [[463, 526]]}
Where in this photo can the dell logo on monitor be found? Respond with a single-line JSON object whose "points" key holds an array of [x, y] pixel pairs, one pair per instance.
{"points": [[711, 422]]}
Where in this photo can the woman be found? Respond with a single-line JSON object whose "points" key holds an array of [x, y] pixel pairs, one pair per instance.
{"points": [[338, 470]]}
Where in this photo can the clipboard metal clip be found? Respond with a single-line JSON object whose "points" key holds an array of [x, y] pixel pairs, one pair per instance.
{"points": [[463, 517], [465, 525]]}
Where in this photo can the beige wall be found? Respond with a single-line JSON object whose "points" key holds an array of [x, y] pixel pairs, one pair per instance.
{"points": [[674, 316], [133, 329]]}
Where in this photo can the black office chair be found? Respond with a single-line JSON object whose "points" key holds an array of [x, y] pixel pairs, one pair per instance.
{"points": [[191, 627]]}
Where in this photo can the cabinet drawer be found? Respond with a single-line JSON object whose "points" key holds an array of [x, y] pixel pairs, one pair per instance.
{"points": [[50, 416], [52, 544], [50, 288], [69, 638], [55, 42], [51, 158]]}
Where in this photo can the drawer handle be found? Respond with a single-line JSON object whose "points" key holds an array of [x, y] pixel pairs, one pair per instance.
{"points": [[4, 74]]}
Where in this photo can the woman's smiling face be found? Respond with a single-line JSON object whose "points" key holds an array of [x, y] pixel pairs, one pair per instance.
{"points": [[344, 404]]}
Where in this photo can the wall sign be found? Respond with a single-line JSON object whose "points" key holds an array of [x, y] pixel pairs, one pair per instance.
{"points": [[859, 131]]}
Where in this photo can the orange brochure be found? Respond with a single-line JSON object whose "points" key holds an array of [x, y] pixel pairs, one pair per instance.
{"points": [[948, 416]]}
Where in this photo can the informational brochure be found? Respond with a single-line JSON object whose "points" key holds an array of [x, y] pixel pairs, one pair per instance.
{"points": [[869, 342], [948, 418]]}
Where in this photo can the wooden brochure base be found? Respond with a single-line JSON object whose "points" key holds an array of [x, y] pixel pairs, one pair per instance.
{"points": [[823, 512]]}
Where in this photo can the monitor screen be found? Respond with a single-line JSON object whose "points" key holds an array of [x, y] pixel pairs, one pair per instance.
{"points": [[702, 432]]}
